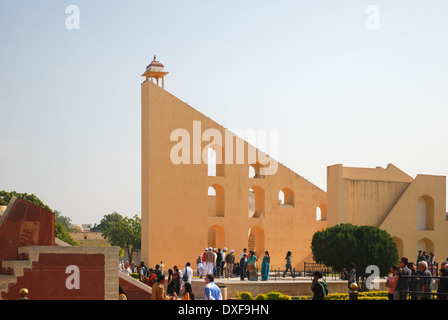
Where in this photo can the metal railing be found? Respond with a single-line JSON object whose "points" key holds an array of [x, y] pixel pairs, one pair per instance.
{"points": [[310, 268], [428, 294], [279, 273]]}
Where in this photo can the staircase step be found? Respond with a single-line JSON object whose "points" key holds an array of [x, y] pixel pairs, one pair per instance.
{"points": [[5, 280], [17, 266]]}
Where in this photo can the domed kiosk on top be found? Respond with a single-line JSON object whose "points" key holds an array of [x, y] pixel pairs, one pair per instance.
{"points": [[155, 70]]}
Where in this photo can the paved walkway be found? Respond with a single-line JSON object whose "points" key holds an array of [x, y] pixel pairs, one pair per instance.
{"points": [[287, 279]]}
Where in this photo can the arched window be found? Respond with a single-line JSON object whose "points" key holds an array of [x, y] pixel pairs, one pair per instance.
{"points": [[215, 161], [281, 197], [399, 244], [254, 170], [321, 212], [216, 237], [211, 163], [425, 213], [286, 197], [425, 244], [216, 201], [256, 202], [256, 241]]}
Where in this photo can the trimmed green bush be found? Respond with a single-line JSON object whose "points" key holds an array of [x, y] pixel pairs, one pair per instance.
{"points": [[274, 295]]}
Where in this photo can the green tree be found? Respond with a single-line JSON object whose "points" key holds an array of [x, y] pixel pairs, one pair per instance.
{"points": [[123, 232], [66, 222], [343, 244], [108, 221], [5, 197]]}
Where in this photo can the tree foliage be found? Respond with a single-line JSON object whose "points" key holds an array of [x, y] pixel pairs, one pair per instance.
{"points": [[123, 232], [343, 244], [5, 197], [108, 221]]}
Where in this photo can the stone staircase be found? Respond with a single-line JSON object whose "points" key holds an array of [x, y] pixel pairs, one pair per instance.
{"points": [[13, 269]]}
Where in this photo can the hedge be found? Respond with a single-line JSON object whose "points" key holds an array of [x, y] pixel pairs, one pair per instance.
{"points": [[274, 295]]}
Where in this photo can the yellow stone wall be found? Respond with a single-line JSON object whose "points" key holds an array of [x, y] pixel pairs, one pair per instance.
{"points": [[177, 222], [388, 198]]}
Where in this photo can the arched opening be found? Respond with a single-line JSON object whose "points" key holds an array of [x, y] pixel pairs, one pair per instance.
{"points": [[425, 213], [216, 237], [256, 202], [251, 171], [286, 197], [321, 212], [215, 161], [256, 241], [281, 197], [216, 201], [425, 245], [254, 170], [399, 244]]}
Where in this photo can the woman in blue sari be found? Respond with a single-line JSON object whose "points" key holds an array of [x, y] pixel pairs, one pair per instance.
{"points": [[265, 266], [252, 266]]}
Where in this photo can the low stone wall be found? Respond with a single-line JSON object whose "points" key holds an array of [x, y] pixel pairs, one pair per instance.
{"points": [[65, 273], [300, 287]]}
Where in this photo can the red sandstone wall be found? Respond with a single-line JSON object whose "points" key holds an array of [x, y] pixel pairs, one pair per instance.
{"points": [[25, 224], [49, 278]]}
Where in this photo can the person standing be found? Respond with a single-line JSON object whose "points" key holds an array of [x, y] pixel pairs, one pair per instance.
{"points": [[403, 274], [176, 280], [252, 266], [161, 266], [211, 290], [243, 265], [350, 274], [424, 281], [158, 290], [230, 261], [391, 282], [143, 271], [420, 256], [218, 263], [158, 272], [431, 263], [204, 262], [199, 266], [243, 253], [412, 281], [170, 285], [319, 286], [210, 261], [223, 262], [187, 275], [265, 265], [442, 287]]}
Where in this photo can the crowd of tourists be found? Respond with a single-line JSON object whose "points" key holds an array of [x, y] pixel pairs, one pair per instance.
{"points": [[212, 263], [174, 287], [407, 280], [221, 263], [418, 280]]}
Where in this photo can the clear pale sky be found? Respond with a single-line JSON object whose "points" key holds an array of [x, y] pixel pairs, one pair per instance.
{"points": [[336, 90]]}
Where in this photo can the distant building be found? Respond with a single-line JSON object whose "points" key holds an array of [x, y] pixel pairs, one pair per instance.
{"points": [[86, 238]]}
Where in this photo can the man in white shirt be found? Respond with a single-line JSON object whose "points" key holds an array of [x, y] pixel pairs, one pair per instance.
{"points": [[210, 261], [187, 275]]}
